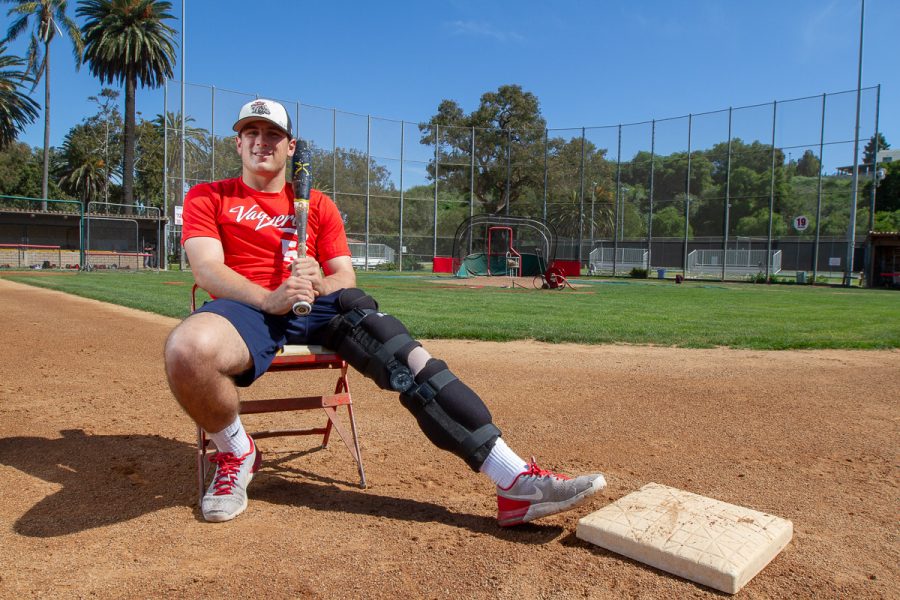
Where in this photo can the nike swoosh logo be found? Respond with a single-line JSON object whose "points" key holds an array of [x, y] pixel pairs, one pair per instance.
{"points": [[536, 495]]}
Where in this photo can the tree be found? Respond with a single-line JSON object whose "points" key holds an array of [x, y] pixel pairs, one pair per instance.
{"points": [[888, 191], [80, 166], [509, 129], [16, 109], [49, 18], [808, 165], [20, 171], [128, 42], [869, 152]]}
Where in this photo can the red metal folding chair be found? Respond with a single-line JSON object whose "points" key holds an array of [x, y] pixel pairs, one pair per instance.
{"points": [[298, 358]]}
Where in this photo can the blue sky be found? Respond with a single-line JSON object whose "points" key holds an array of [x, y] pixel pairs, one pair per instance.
{"points": [[589, 63]]}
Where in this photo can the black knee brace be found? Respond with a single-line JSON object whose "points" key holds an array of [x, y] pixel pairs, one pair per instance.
{"points": [[450, 414]]}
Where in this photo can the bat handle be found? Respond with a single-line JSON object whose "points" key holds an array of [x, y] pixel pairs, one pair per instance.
{"points": [[302, 308]]}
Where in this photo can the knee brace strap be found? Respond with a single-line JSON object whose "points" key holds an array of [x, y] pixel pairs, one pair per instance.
{"points": [[471, 446]]}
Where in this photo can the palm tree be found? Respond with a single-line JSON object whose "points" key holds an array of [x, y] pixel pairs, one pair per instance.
{"points": [[48, 15], [81, 168], [127, 41], [16, 109]]}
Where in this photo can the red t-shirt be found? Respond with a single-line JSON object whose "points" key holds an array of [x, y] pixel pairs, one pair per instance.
{"points": [[257, 229]]}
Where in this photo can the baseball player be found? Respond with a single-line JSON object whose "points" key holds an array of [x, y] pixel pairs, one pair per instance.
{"points": [[240, 236]]}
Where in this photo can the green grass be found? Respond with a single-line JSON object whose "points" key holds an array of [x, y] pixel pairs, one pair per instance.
{"points": [[694, 314]]}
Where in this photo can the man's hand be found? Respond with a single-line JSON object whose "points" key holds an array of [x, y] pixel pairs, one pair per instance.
{"points": [[293, 289], [308, 269]]}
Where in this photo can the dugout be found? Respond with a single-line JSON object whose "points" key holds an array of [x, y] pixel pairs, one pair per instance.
{"points": [[883, 252]]}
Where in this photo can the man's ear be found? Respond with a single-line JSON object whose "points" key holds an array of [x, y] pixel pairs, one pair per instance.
{"points": [[292, 147], [237, 143]]}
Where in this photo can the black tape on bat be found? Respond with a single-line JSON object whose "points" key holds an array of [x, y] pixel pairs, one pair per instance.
{"points": [[300, 171]]}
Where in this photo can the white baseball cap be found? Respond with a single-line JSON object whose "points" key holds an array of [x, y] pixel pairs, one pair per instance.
{"points": [[266, 110]]}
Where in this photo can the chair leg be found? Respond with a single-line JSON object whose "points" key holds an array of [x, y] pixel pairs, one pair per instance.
{"points": [[358, 454]]}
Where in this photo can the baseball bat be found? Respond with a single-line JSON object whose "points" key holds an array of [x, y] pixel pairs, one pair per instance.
{"points": [[302, 181]]}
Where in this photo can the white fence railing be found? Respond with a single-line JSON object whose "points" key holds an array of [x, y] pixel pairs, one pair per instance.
{"points": [[740, 262], [601, 259]]}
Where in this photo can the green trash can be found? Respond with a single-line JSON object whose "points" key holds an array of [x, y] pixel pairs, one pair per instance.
{"points": [[801, 276]]}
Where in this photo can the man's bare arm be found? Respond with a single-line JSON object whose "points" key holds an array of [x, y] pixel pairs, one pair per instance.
{"points": [[207, 260]]}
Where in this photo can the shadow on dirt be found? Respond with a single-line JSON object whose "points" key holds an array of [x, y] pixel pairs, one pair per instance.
{"points": [[105, 479], [281, 483], [109, 479]]}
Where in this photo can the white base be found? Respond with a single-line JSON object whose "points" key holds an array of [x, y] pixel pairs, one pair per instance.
{"points": [[707, 541]]}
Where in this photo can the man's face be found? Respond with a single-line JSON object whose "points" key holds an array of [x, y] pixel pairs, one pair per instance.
{"points": [[264, 148]]}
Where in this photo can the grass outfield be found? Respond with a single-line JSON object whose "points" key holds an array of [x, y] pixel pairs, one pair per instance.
{"points": [[694, 314]]}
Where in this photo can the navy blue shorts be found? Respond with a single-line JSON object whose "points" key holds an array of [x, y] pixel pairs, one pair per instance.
{"points": [[266, 334]]}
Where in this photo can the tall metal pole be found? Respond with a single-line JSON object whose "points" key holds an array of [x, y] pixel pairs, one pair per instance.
{"points": [[546, 152], [212, 130], [727, 218], [581, 204], [181, 191], [508, 168], [650, 215], [472, 177], [334, 152], [815, 261], [436, 167], [771, 195], [471, 190], [402, 137], [874, 160], [868, 265], [368, 162], [687, 198], [616, 231], [851, 242], [165, 174]]}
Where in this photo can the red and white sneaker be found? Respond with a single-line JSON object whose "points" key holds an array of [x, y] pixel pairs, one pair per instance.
{"points": [[226, 496], [537, 493]]}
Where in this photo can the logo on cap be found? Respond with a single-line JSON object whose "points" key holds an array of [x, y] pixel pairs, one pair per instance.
{"points": [[260, 108]]}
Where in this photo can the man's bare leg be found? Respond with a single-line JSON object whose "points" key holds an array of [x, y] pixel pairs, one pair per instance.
{"points": [[202, 355]]}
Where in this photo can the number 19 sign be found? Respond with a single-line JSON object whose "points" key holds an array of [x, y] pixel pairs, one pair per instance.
{"points": [[801, 223]]}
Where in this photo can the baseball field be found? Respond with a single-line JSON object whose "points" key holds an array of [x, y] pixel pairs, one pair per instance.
{"points": [[98, 479]]}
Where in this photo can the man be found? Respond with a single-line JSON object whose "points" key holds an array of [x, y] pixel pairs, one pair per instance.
{"points": [[240, 237]]}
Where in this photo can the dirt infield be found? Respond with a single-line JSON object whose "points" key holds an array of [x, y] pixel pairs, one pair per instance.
{"points": [[97, 492]]}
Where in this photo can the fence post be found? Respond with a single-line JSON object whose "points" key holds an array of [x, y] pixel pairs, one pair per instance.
{"points": [[815, 265], [616, 231], [546, 152], [472, 177], [581, 204], [874, 161], [771, 196], [334, 152], [212, 130], [650, 215], [437, 160], [508, 168], [165, 176], [402, 137], [727, 217], [854, 186], [368, 170], [687, 198]]}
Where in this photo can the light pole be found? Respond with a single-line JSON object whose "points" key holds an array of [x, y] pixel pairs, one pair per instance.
{"points": [[593, 189]]}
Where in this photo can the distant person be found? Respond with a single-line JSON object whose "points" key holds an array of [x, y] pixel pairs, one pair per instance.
{"points": [[240, 237]]}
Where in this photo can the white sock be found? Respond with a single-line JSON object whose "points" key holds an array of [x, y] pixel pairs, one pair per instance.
{"points": [[503, 465], [232, 439]]}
